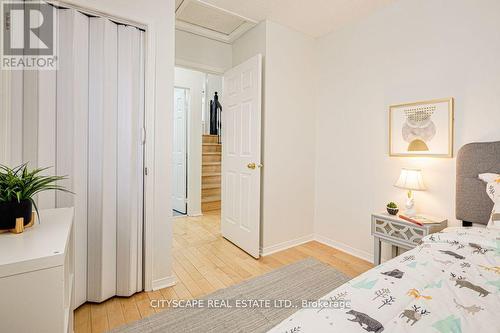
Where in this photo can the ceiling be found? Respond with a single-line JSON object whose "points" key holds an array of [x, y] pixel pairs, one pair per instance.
{"points": [[312, 17], [208, 17]]}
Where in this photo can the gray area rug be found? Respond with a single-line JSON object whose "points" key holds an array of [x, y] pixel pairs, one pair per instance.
{"points": [[307, 279]]}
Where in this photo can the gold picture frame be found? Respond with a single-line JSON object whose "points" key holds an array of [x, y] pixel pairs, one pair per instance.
{"points": [[435, 139]]}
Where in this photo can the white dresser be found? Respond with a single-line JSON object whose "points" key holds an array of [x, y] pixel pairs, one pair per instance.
{"points": [[37, 274]]}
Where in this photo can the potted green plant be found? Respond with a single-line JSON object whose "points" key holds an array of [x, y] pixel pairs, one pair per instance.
{"points": [[18, 187], [392, 208]]}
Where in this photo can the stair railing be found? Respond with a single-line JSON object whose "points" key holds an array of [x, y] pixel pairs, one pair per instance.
{"points": [[216, 118], [219, 125]]}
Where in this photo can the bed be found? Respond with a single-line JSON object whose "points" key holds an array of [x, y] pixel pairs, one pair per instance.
{"points": [[449, 283]]}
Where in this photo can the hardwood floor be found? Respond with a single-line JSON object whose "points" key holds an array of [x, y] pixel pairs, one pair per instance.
{"points": [[205, 262]]}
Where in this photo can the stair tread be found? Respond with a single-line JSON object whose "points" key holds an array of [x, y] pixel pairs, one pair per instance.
{"points": [[211, 163], [211, 144], [209, 206], [210, 186], [214, 198], [212, 153], [210, 174]]}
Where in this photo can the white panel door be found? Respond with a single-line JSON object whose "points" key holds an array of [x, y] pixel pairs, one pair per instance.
{"points": [[179, 184], [241, 157]]}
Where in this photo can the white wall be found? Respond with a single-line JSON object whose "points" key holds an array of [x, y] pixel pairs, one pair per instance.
{"points": [[289, 140], [249, 44], [195, 82], [409, 51], [288, 145], [197, 52], [159, 16]]}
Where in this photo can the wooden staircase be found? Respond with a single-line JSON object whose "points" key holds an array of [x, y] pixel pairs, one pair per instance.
{"points": [[211, 174]]}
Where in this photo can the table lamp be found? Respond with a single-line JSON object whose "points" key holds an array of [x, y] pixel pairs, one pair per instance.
{"points": [[411, 180]]}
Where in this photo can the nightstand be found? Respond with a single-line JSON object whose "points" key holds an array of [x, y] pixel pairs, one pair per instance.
{"points": [[399, 233]]}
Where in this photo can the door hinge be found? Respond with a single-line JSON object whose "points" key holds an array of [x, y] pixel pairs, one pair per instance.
{"points": [[146, 171]]}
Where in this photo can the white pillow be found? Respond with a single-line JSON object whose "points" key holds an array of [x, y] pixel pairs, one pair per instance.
{"points": [[489, 177], [493, 190]]}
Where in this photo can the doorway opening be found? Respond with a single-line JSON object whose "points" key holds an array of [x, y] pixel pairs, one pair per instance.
{"points": [[197, 143], [223, 153]]}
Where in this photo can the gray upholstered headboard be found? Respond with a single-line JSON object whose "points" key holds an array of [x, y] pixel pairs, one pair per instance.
{"points": [[473, 204]]}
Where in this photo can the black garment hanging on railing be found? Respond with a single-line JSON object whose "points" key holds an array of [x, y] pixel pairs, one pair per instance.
{"points": [[215, 116]]}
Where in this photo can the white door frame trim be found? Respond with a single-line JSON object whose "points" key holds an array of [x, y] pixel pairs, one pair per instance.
{"points": [[188, 155], [152, 213]]}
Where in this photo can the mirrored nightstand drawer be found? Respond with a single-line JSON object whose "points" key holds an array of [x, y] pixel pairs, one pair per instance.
{"points": [[399, 231]]}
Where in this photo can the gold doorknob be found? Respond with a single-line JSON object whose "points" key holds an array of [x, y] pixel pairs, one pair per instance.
{"points": [[254, 165]]}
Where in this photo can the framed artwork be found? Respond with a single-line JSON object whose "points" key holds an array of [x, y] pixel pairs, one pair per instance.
{"points": [[422, 128]]}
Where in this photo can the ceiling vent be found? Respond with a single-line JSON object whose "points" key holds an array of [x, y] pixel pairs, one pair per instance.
{"points": [[201, 18]]}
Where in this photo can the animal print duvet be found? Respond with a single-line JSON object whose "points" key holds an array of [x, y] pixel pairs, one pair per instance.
{"points": [[449, 283]]}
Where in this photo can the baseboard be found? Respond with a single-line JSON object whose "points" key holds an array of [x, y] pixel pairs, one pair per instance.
{"points": [[187, 215], [265, 251], [195, 214], [169, 281], [345, 248]]}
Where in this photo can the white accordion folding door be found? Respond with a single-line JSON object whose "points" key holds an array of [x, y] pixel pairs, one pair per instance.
{"points": [[116, 155], [102, 190], [71, 128], [130, 160], [86, 121]]}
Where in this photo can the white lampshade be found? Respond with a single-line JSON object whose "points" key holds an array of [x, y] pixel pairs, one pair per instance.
{"points": [[411, 179]]}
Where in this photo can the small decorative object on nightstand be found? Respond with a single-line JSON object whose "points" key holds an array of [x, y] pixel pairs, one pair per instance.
{"points": [[392, 208], [402, 233]]}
